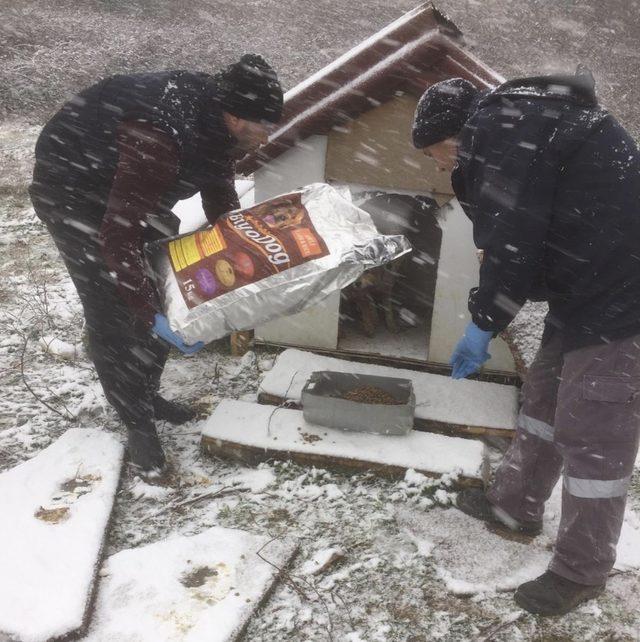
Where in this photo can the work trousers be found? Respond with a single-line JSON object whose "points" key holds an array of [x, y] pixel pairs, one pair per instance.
{"points": [[580, 417], [129, 360]]}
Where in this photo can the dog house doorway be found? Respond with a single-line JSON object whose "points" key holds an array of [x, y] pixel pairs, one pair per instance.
{"points": [[388, 311]]}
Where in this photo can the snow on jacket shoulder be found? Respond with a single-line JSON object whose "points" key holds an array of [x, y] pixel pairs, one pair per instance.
{"points": [[551, 184]]}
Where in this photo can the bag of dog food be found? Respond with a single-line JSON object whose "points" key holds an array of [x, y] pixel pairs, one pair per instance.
{"points": [[267, 261]]}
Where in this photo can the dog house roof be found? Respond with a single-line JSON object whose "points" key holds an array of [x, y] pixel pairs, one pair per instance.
{"points": [[420, 48]]}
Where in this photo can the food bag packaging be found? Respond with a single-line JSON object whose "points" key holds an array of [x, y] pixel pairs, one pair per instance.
{"points": [[271, 260]]}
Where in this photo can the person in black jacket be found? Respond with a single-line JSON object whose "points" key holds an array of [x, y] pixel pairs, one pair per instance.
{"points": [[110, 166], [551, 182]]}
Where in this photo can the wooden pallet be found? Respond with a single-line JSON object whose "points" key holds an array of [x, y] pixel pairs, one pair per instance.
{"points": [[495, 406], [407, 363], [253, 433], [419, 424]]}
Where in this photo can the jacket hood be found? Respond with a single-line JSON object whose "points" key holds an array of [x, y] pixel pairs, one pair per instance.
{"points": [[578, 88]]}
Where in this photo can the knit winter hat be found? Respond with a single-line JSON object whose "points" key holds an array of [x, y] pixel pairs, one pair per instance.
{"points": [[250, 89], [442, 111]]}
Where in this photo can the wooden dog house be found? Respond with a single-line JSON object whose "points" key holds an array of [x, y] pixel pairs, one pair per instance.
{"points": [[349, 124]]}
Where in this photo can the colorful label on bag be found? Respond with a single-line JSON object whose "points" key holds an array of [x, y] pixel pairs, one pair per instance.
{"points": [[191, 249], [244, 248]]}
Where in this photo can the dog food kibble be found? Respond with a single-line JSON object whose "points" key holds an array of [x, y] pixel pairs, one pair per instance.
{"points": [[371, 394]]}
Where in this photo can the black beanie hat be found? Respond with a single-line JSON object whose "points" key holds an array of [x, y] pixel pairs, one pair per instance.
{"points": [[250, 89], [442, 111]]}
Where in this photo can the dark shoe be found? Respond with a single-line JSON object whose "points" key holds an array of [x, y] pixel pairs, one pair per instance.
{"points": [[172, 411], [145, 450], [164, 477], [474, 502], [551, 594]]}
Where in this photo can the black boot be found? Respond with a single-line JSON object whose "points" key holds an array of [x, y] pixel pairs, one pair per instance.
{"points": [[172, 411], [551, 594], [145, 450], [474, 502]]}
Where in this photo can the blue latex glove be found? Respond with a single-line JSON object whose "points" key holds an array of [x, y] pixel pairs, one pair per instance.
{"points": [[162, 328], [471, 351]]}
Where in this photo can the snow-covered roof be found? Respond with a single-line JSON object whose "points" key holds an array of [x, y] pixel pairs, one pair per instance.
{"points": [[386, 32], [418, 49]]}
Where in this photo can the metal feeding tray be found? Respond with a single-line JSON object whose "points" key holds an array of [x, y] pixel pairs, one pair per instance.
{"points": [[358, 402]]}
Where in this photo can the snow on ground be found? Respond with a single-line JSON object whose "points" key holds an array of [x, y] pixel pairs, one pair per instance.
{"points": [[55, 509], [386, 588], [202, 588], [321, 560]]}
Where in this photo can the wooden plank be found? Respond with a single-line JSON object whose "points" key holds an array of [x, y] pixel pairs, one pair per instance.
{"points": [[252, 456], [201, 588], [55, 512], [240, 342], [461, 408], [431, 367], [461, 430], [251, 433], [422, 425]]}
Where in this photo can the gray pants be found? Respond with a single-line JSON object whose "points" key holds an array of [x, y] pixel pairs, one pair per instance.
{"points": [[580, 416]]}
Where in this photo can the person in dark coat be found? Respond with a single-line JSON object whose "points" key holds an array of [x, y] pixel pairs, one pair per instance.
{"points": [[110, 166], [551, 182]]}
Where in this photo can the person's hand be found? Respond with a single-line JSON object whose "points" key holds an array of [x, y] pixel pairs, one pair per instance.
{"points": [[162, 329], [470, 352]]}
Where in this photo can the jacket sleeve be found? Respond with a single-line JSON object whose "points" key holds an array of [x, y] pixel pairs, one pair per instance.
{"points": [[512, 203], [147, 166], [220, 196]]}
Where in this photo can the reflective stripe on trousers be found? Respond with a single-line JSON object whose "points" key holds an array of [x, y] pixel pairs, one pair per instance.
{"points": [[536, 427], [596, 488], [585, 488]]}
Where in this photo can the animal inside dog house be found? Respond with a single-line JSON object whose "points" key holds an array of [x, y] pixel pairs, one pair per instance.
{"points": [[350, 125]]}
